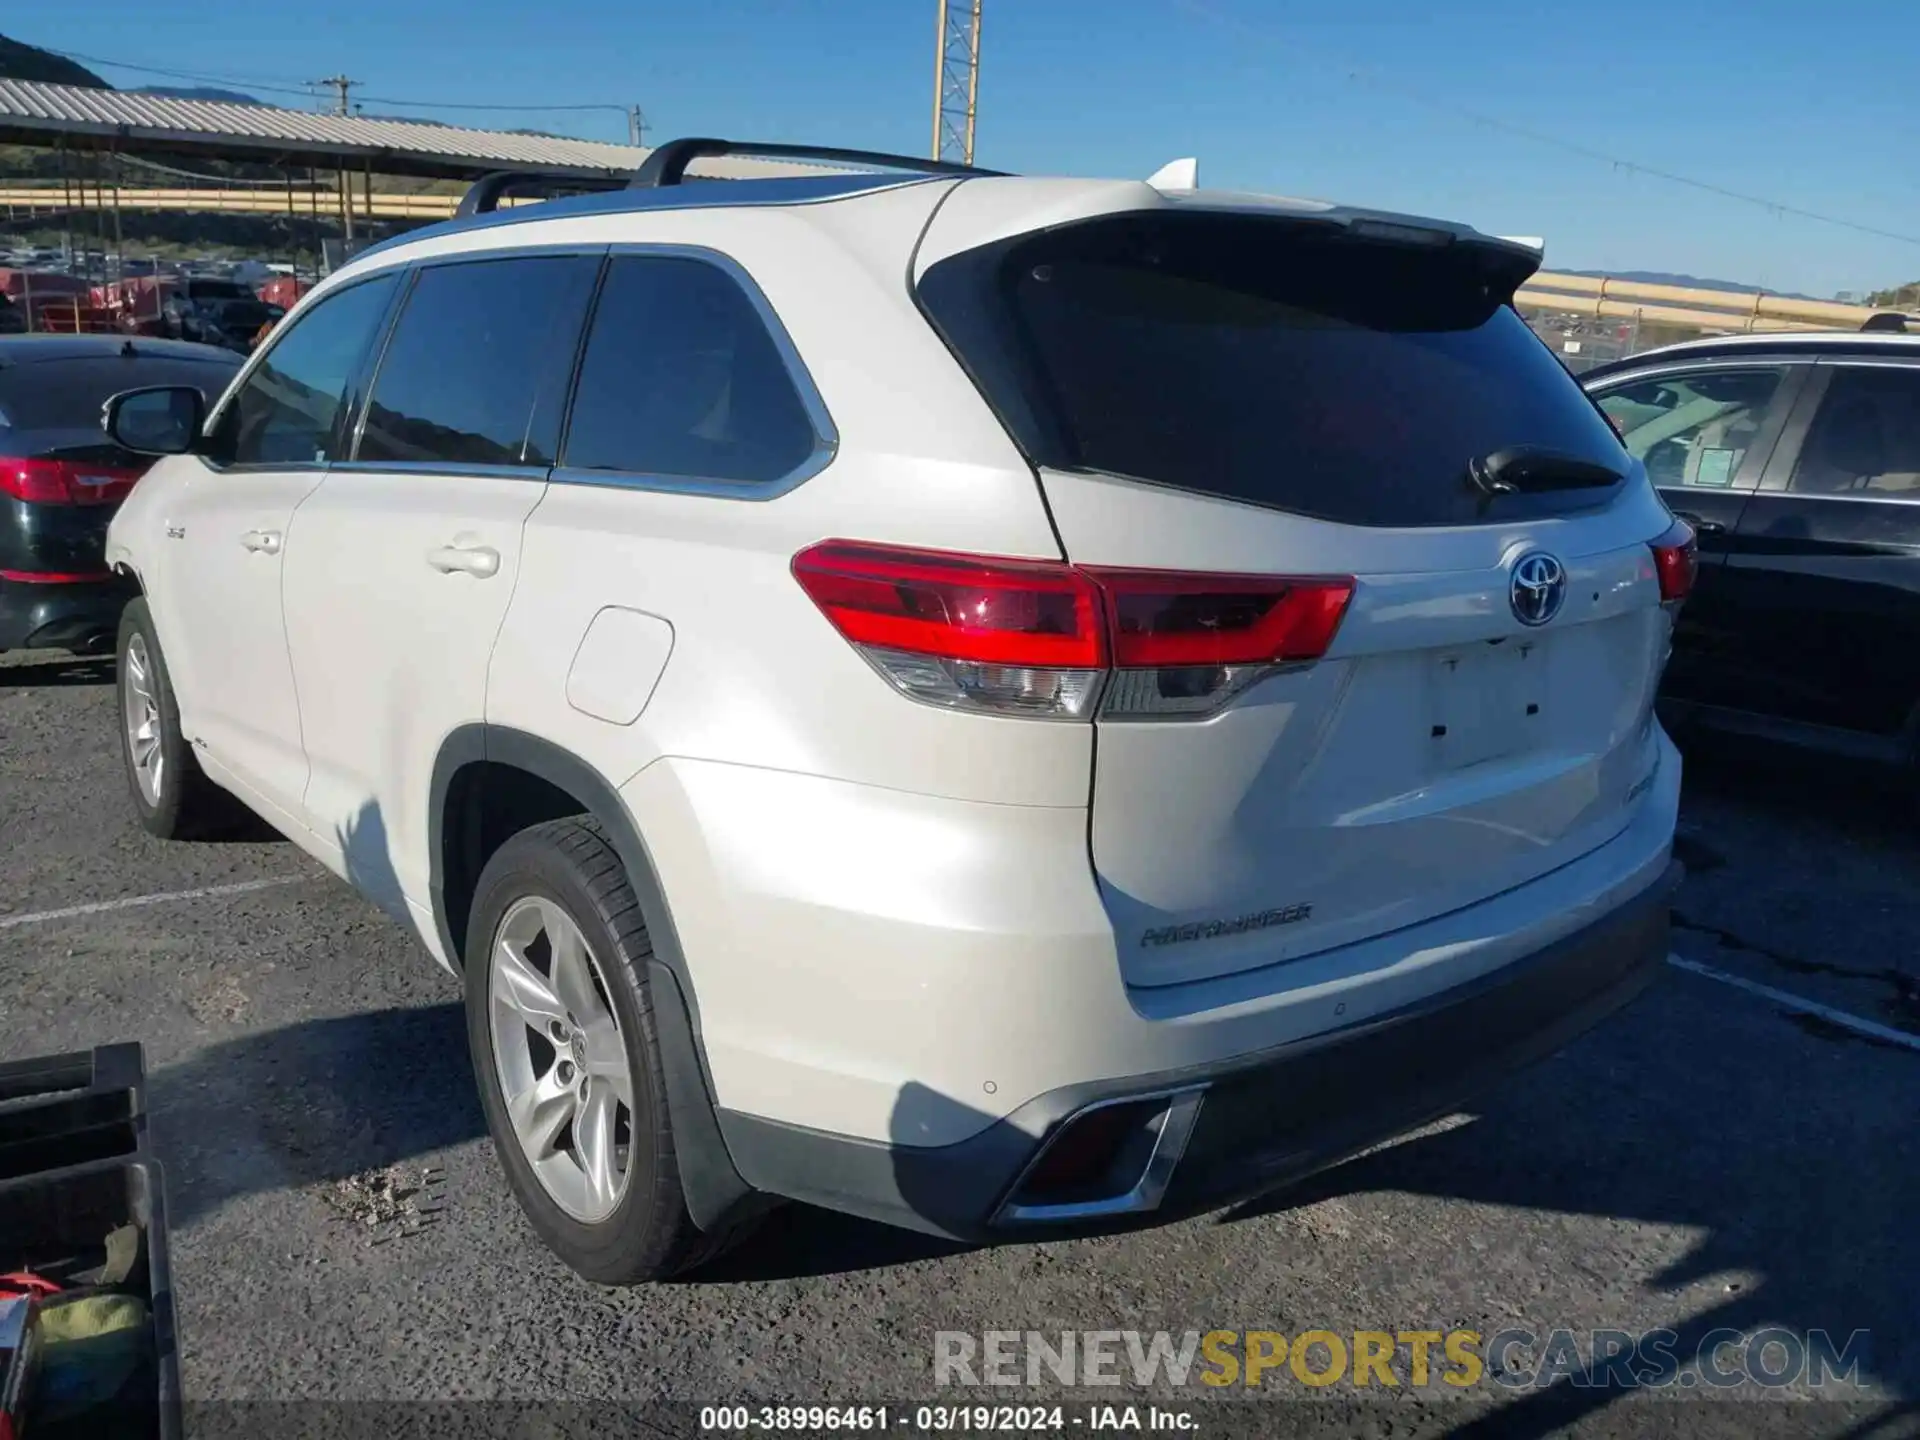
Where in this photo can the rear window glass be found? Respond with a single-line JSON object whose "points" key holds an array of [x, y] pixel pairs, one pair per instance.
{"points": [[1280, 364], [68, 394], [681, 378]]}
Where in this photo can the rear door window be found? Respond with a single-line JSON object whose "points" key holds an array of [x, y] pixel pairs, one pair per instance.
{"points": [[682, 379], [476, 371], [1284, 365], [1865, 441]]}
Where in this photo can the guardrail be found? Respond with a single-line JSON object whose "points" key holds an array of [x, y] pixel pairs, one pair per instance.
{"points": [[1747, 310], [301, 202]]}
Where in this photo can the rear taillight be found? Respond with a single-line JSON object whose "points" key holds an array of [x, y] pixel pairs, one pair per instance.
{"points": [[1676, 561], [1186, 644], [64, 482], [1016, 637], [1042, 638]]}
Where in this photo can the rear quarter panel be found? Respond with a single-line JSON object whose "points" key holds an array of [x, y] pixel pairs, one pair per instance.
{"points": [[756, 675]]}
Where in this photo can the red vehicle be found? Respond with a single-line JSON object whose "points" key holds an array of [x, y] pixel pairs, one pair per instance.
{"points": [[51, 301], [284, 291], [137, 304]]}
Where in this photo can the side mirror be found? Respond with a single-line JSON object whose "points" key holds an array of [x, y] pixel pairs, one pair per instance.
{"points": [[158, 420]]}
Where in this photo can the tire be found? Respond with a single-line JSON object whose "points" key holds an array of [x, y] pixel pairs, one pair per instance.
{"points": [[174, 799], [636, 1228]]}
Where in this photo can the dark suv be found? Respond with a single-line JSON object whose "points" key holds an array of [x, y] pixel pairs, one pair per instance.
{"points": [[1796, 459]]}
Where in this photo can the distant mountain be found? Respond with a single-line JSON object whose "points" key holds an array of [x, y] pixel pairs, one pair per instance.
{"points": [[1689, 282], [199, 92], [19, 61]]}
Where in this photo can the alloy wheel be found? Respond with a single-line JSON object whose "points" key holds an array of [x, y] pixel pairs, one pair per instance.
{"points": [[560, 1058], [140, 707]]}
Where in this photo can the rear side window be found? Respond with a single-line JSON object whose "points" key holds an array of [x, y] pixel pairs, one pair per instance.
{"points": [[286, 411], [1866, 439], [68, 394], [681, 378], [476, 351], [1282, 364]]}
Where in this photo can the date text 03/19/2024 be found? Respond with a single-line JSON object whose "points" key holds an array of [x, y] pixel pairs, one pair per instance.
{"points": [[941, 1419]]}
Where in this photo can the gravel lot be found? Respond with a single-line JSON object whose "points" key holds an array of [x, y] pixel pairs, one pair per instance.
{"points": [[341, 1229]]}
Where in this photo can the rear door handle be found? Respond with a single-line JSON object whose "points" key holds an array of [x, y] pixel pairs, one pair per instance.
{"points": [[264, 542], [1701, 525], [480, 561]]}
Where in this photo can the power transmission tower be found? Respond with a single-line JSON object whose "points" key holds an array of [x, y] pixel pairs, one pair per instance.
{"points": [[343, 85], [956, 80], [636, 126]]}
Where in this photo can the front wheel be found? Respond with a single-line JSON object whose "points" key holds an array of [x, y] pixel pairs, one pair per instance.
{"points": [[171, 795], [560, 1024]]}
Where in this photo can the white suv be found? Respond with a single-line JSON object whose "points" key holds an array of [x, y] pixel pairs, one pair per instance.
{"points": [[995, 704]]}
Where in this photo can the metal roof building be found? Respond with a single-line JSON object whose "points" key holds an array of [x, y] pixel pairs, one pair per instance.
{"points": [[79, 118]]}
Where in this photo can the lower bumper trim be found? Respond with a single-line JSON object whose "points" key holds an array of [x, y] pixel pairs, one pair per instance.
{"points": [[1257, 1122]]}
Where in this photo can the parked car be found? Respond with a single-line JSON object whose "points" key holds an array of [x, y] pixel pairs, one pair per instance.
{"points": [[995, 704], [214, 312], [1796, 458], [61, 480]]}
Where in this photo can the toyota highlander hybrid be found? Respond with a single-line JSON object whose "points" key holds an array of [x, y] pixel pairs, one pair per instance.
{"points": [[992, 703]]}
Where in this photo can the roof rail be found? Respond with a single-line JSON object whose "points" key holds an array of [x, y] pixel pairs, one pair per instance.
{"points": [[486, 193], [667, 165]]}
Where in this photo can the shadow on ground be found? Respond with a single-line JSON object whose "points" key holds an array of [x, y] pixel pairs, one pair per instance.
{"points": [[1792, 1167], [64, 670], [316, 1101]]}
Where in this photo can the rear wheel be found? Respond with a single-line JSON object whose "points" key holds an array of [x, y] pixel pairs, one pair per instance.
{"points": [[171, 795], [560, 1023]]}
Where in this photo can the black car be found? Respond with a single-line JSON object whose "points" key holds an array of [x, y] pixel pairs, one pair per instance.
{"points": [[61, 479], [216, 312], [1796, 458]]}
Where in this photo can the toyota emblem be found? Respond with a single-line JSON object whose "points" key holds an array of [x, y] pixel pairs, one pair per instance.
{"points": [[1538, 589]]}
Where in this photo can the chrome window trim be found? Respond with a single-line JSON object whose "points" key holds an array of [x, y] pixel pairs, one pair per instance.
{"points": [[1871, 362], [479, 470], [1606, 383], [1851, 498]]}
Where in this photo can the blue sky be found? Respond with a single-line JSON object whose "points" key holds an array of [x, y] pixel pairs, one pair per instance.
{"points": [[1414, 106]]}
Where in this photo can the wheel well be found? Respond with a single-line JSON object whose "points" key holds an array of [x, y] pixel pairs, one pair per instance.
{"points": [[487, 804]]}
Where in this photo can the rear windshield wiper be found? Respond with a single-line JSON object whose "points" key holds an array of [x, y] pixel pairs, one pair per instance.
{"points": [[1529, 469]]}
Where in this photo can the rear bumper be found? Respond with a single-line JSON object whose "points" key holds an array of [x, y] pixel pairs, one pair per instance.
{"points": [[82, 616], [1262, 1120]]}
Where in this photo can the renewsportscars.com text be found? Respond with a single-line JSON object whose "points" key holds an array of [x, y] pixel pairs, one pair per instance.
{"points": [[1516, 1359]]}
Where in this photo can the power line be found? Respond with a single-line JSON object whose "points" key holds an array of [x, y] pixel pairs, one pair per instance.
{"points": [[307, 89], [343, 85], [289, 88], [1574, 147]]}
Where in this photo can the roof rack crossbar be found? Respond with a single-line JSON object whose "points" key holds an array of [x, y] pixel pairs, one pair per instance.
{"points": [[485, 194], [667, 164]]}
